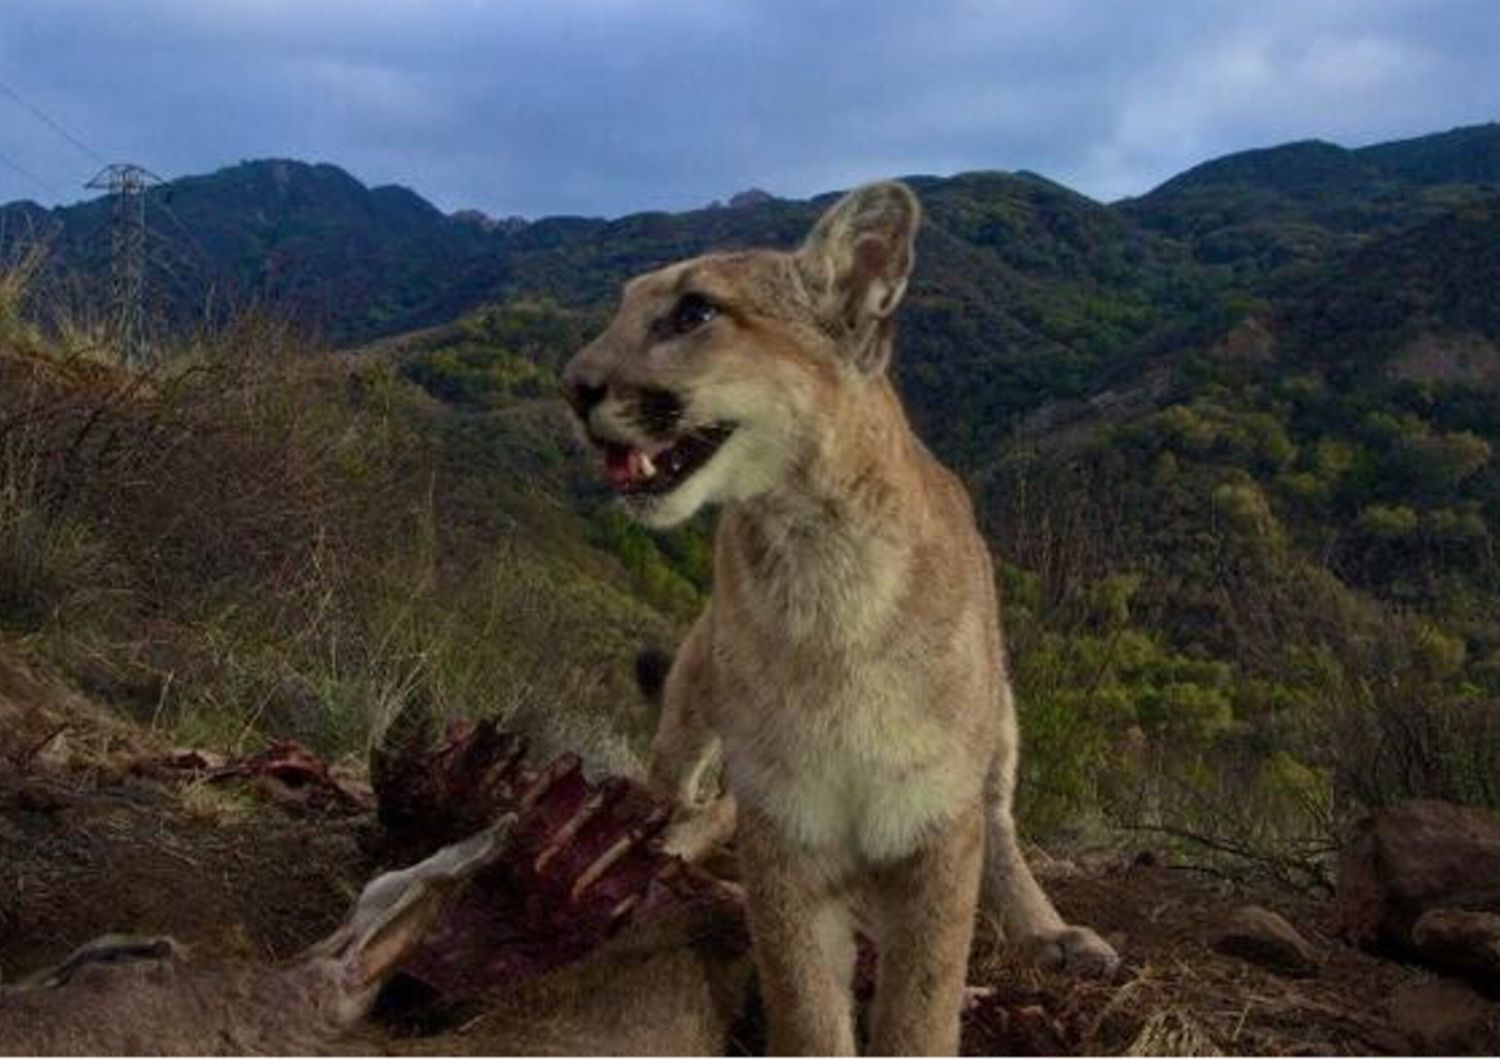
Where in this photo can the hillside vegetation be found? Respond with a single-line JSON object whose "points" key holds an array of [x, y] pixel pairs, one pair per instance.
{"points": [[260, 539], [1233, 442]]}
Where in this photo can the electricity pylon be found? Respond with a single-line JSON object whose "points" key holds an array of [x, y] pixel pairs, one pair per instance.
{"points": [[127, 186]]}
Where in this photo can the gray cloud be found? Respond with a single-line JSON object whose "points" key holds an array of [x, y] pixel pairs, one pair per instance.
{"points": [[606, 106]]}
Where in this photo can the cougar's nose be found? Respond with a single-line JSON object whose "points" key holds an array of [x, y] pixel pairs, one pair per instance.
{"points": [[584, 396]]}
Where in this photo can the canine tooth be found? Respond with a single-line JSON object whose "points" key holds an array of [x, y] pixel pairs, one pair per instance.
{"points": [[648, 469]]}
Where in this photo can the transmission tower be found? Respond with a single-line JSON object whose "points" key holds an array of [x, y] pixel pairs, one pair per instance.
{"points": [[127, 186]]}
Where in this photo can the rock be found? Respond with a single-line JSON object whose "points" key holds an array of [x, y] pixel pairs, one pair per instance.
{"points": [[1463, 942], [1265, 938], [1403, 860], [1445, 1017]]}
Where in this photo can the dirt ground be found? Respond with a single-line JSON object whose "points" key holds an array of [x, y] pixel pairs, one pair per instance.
{"points": [[1177, 995], [92, 843], [76, 863]]}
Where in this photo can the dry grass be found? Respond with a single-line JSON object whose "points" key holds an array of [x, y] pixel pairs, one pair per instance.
{"points": [[17, 281], [256, 539], [210, 802]]}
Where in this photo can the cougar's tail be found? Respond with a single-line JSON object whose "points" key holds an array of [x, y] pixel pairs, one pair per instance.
{"points": [[651, 668]]}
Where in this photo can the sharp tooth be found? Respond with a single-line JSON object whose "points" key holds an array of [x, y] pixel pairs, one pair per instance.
{"points": [[648, 469]]}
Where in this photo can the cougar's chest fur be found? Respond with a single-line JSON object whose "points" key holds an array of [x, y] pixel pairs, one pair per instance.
{"points": [[846, 700]]}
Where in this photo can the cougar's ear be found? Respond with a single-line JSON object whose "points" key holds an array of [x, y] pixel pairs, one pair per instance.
{"points": [[856, 263]]}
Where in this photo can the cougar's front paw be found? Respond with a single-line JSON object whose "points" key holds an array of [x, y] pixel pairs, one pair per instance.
{"points": [[695, 832], [1076, 951]]}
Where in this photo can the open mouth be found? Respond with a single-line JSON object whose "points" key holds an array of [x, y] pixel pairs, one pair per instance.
{"points": [[634, 472]]}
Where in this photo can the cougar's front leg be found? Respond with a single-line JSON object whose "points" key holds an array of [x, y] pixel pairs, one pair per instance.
{"points": [[925, 919], [685, 745], [803, 938], [1010, 891], [684, 749]]}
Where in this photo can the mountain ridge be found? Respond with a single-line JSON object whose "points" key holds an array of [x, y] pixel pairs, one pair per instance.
{"points": [[1468, 153], [360, 262]]}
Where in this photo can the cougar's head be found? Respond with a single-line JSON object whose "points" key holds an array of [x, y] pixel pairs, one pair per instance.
{"points": [[720, 375]]}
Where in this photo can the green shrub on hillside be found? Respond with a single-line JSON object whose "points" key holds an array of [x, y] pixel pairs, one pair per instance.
{"points": [[670, 571]]}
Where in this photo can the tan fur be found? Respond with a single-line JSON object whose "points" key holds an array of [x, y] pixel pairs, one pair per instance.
{"points": [[674, 984], [128, 996], [849, 664]]}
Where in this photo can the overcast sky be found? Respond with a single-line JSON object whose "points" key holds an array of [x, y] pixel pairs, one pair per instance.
{"points": [[538, 107]]}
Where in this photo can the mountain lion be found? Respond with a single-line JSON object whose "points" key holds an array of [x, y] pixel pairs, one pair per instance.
{"points": [[849, 665]]}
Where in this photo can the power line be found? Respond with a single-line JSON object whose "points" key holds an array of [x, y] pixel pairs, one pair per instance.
{"points": [[127, 186], [197, 247], [51, 123], [45, 185]]}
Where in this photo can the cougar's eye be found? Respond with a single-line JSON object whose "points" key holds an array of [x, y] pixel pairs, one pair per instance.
{"points": [[692, 311]]}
